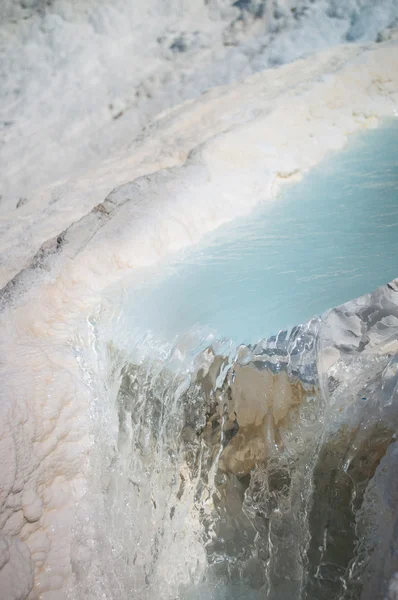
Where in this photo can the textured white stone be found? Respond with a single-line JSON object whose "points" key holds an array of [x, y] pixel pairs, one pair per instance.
{"points": [[16, 573]]}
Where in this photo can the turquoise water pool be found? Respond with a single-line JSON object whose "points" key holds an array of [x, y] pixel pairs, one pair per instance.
{"points": [[285, 515], [330, 238]]}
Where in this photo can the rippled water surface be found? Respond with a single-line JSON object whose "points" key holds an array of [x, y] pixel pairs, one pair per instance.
{"points": [[330, 238]]}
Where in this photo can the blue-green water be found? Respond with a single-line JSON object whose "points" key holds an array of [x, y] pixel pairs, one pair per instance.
{"points": [[328, 239]]}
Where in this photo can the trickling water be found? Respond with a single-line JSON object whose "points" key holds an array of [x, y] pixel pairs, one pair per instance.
{"points": [[252, 471]]}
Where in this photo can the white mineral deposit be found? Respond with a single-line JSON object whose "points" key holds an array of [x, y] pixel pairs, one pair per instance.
{"points": [[187, 189]]}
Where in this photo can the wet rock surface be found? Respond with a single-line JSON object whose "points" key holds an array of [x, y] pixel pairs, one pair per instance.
{"points": [[291, 444]]}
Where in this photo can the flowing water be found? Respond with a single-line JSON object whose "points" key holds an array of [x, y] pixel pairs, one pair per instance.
{"points": [[228, 468]]}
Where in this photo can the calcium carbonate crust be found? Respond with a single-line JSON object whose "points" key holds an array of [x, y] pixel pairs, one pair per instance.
{"points": [[278, 124], [81, 79]]}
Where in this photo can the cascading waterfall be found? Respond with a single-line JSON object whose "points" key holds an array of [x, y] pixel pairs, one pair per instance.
{"points": [[245, 472]]}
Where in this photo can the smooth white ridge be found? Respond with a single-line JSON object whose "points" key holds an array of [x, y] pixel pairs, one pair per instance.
{"points": [[254, 137]]}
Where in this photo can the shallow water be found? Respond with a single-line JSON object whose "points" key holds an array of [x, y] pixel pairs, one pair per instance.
{"points": [[325, 240]]}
